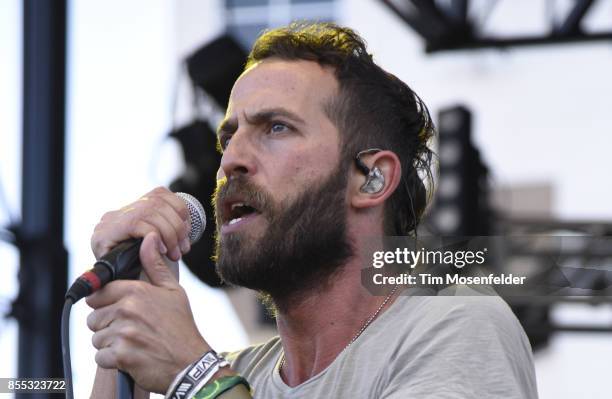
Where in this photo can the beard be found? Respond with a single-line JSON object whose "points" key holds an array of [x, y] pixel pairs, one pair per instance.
{"points": [[304, 245]]}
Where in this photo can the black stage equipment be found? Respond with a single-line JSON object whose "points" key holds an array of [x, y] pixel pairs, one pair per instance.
{"points": [[215, 67], [461, 202], [198, 142], [451, 25], [39, 236]]}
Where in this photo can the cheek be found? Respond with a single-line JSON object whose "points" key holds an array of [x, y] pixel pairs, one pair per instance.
{"points": [[302, 168], [325, 160], [295, 173], [290, 176], [312, 170]]}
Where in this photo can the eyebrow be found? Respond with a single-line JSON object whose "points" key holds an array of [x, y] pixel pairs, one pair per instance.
{"points": [[229, 126]]}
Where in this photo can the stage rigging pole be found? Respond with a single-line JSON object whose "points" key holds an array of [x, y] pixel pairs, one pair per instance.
{"points": [[43, 258]]}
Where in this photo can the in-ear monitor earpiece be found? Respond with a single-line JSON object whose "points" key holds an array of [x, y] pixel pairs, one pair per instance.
{"points": [[375, 180]]}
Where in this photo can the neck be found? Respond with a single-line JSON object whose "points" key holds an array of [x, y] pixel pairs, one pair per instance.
{"points": [[316, 328]]}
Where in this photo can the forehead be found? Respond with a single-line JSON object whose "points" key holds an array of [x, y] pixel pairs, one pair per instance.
{"points": [[301, 86]]}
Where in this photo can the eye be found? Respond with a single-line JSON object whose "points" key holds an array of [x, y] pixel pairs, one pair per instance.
{"points": [[278, 127], [224, 141]]}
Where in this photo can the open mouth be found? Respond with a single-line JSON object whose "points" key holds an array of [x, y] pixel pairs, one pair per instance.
{"points": [[239, 211]]}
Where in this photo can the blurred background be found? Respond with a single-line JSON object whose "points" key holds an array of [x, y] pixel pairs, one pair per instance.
{"points": [[102, 101]]}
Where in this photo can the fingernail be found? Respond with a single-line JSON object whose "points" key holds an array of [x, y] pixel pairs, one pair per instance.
{"points": [[162, 248], [175, 255], [185, 245]]}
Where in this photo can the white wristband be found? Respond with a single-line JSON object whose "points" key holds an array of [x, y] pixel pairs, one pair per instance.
{"points": [[189, 381]]}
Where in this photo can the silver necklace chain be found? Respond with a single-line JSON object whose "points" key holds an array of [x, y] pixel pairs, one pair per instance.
{"points": [[361, 330]]}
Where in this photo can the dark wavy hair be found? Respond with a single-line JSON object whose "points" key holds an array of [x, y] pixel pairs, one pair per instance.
{"points": [[374, 109]]}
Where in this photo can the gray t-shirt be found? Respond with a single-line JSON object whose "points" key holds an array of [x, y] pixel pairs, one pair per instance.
{"points": [[421, 347]]}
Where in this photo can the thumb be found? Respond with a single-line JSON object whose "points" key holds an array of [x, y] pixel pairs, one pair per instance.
{"points": [[153, 264]]}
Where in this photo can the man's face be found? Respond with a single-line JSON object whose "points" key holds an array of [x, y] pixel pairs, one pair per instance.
{"points": [[281, 197]]}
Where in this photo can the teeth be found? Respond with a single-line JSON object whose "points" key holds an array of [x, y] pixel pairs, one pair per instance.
{"points": [[235, 221], [237, 204]]}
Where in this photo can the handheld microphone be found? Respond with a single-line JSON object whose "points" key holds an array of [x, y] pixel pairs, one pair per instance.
{"points": [[122, 262]]}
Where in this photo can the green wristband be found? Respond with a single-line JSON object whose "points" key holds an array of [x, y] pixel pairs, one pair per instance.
{"points": [[218, 387]]}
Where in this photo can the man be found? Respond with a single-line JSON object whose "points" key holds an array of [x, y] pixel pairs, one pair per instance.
{"points": [[322, 157]]}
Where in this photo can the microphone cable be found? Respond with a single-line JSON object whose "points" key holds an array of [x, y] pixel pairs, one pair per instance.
{"points": [[66, 347]]}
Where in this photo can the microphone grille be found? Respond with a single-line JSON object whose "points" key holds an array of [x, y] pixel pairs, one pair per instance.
{"points": [[197, 217]]}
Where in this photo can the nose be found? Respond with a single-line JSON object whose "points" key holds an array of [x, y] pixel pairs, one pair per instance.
{"points": [[238, 157]]}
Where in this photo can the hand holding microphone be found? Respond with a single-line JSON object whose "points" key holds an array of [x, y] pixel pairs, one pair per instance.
{"points": [[145, 328], [160, 214]]}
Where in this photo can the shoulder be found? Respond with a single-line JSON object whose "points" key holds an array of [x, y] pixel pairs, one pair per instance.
{"points": [[473, 343], [466, 309], [255, 357], [486, 322]]}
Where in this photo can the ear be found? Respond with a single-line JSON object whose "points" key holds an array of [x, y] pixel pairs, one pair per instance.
{"points": [[389, 165]]}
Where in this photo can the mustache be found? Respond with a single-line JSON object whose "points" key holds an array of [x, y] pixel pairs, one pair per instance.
{"points": [[243, 188]]}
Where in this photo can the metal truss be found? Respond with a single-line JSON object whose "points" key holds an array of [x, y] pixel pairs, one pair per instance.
{"points": [[448, 25], [592, 279]]}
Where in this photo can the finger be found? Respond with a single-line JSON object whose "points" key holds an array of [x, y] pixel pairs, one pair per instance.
{"points": [[101, 318], [100, 242], [119, 331], [142, 216], [107, 358], [172, 265], [114, 291], [109, 234], [154, 265], [172, 199], [158, 212], [181, 231], [117, 356], [128, 308], [168, 232], [103, 338]]}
